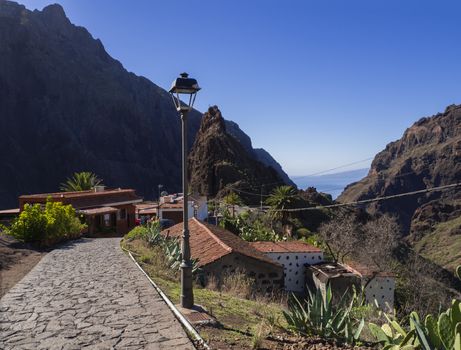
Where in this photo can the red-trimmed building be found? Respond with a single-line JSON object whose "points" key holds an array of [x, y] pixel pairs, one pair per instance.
{"points": [[219, 251], [105, 210]]}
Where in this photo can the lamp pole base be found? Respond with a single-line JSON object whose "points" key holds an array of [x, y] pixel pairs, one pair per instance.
{"points": [[187, 295]]}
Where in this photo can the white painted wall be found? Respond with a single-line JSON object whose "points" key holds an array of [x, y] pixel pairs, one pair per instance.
{"points": [[293, 267], [202, 207], [382, 289], [202, 210]]}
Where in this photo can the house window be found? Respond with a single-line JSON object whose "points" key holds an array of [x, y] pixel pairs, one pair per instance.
{"points": [[122, 214], [107, 220]]}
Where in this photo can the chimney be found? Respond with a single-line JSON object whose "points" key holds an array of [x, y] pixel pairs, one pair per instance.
{"points": [[99, 188]]}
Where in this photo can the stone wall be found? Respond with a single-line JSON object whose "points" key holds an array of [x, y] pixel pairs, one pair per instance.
{"points": [[268, 276]]}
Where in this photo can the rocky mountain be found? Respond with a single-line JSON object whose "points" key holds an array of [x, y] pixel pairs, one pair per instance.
{"points": [[427, 155], [260, 154], [66, 106], [219, 163]]}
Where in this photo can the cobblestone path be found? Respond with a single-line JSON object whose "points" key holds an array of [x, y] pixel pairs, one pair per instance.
{"points": [[87, 295]]}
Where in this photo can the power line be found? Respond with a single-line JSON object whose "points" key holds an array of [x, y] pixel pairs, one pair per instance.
{"points": [[318, 173], [426, 190], [336, 168]]}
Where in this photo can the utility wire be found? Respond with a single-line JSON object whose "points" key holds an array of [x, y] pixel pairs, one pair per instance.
{"points": [[336, 168], [336, 188], [426, 190]]}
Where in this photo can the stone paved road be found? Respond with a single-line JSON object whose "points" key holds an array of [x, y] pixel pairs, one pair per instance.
{"points": [[87, 295]]}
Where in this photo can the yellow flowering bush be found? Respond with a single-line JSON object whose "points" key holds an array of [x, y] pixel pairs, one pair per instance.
{"points": [[46, 225]]}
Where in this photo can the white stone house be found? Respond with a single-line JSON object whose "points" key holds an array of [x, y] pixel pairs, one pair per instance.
{"points": [[294, 256]]}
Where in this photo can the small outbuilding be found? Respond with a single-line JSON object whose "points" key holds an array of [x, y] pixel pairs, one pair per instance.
{"points": [[378, 285], [294, 256], [220, 251]]}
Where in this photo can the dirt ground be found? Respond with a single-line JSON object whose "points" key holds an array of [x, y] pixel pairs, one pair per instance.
{"points": [[16, 260]]}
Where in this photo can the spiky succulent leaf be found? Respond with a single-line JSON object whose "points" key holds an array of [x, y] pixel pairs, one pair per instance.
{"points": [[379, 333], [446, 331]]}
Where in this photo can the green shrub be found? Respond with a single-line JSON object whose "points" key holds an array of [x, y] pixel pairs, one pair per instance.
{"points": [[318, 316], [249, 227], [171, 248], [46, 226], [303, 232], [137, 232]]}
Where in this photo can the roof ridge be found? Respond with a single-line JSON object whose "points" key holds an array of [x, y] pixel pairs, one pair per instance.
{"points": [[216, 238]]}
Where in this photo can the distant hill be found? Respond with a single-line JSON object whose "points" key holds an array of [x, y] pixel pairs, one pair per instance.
{"points": [[332, 184], [66, 106], [427, 155]]}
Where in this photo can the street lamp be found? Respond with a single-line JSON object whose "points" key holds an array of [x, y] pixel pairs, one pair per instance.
{"points": [[185, 88]]}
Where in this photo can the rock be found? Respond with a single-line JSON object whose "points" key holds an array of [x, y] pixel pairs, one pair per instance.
{"points": [[427, 155], [219, 162]]}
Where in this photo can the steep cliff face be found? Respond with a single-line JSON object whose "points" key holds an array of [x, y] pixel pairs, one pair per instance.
{"points": [[218, 162], [428, 155], [260, 154], [66, 106]]}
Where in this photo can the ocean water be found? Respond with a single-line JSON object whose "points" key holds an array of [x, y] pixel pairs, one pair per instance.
{"points": [[333, 184]]}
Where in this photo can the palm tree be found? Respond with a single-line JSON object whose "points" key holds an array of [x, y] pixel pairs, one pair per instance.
{"points": [[232, 199], [281, 198], [82, 181]]}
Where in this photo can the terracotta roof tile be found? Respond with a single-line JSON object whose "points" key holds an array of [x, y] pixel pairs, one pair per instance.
{"points": [[209, 243], [367, 270], [98, 211], [285, 247], [86, 199]]}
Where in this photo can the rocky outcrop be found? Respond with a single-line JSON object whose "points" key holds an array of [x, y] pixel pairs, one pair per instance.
{"points": [[260, 154], [428, 155], [219, 163], [66, 106]]}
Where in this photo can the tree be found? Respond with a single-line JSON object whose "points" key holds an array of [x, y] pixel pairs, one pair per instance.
{"points": [[82, 181], [280, 199], [371, 244], [232, 199]]}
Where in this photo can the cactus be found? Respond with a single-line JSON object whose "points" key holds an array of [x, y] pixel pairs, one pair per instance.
{"points": [[442, 332]]}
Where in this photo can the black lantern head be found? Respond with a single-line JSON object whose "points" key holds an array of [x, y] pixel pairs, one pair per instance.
{"points": [[183, 87]]}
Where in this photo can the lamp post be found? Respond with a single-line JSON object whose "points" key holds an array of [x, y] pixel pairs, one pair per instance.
{"points": [[186, 88]]}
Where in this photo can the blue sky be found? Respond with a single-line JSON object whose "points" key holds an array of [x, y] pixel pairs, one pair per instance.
{"points": [[316, 83]]}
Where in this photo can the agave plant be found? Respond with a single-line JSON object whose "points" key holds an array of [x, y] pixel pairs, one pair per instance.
{"points": [[171, 247], [318, 315], [153, 236], [172, 250], [442, 332]]}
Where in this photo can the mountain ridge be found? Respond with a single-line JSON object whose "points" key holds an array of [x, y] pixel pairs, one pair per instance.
{"points": [[68, 106], [427, 155]]}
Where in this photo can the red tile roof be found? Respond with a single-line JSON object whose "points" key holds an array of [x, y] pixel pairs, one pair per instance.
{"points": [[98, 211], [209, 243], [367, 270], [171, 205], [85, 199], [285, 247]]}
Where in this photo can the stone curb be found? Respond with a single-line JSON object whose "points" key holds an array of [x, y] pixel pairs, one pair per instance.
{"points": [[173, 308]]}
